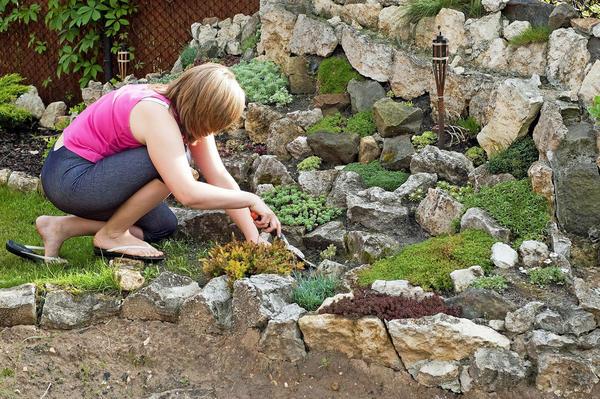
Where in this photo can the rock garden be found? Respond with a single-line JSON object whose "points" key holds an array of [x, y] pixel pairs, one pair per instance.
{"points": [[470, 266]]}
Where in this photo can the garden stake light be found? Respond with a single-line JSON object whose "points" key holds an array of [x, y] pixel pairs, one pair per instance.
{"points": [[440, 66], [123, 60]]}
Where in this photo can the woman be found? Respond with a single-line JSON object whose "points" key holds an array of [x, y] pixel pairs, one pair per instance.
{"points": [[117, 162]]}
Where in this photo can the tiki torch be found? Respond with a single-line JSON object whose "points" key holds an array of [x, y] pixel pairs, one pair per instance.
{"points": [[123, 60], [440, 67]]}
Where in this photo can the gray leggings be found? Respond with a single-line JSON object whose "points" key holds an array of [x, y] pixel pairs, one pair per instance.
{"points": [[96, 190]]}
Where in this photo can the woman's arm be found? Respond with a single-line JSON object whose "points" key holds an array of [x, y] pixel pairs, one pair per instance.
{"points": [[153, 125], [207, 158]]}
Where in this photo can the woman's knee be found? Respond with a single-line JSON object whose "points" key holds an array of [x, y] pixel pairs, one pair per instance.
{"points": [[163, 230]]}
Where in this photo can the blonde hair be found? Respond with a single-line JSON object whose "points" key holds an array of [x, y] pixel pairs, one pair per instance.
{"points": [[206, 98]]}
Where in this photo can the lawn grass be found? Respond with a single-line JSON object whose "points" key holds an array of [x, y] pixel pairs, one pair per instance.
{"points": [[85, 272]]}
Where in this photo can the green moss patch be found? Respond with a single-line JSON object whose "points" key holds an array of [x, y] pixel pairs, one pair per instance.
{"points": [[375, 175], [429, 263], [330, 124], [334, 74], [516, 159], [361, 123], [514, 206]]}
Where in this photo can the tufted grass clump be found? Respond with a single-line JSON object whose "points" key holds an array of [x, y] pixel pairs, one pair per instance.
{"points": [[516, 159], [415, 10], [375, 175], [361, 123], [333, 75], [239, 259], [470, 124], [429, 263], [424, 139], [311, 291], [297, 208], [495, 283], [308, 164], [533, 34], [545, 276], [188, 56], [515, 206], [263, 82], [330, 124]]}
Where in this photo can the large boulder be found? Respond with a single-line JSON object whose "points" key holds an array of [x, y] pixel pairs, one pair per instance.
{"points": [[370, 58], [517, 104], [392, 23], [364, 93], [17, 305], [448, 165], [161, 300], [416, 182], [31, 102], [282, 132], [587, 295], [294, 6], [438, 211], [479, 219], [267, 169], [365, 338], [277, 27], [365, 14], [591, 85], [567, 68], [299, 148], [452, 23], [258, 121], [331, 233], [346, 183], [209, 311], [441, 337], [561, 16], [393, 118], [51, 114], [281, 339], [479, 303], [204, 226], [496, 369], [565, 374], [534, 11], [63, 310], [397, 152], [312, 36], [438, 373], [566, 320], [300, 75], [522, 320], [258, 299], [551, 128], [410, 76], [335, 148]]}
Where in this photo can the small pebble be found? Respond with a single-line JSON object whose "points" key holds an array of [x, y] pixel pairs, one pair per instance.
{"points": [[335, 386], [52, 350]]}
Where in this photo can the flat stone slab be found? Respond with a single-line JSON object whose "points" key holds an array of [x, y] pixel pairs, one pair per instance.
{"points": [[17, 305], [63, 310]]}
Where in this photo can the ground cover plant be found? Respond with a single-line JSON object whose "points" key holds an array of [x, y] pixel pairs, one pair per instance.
{"points": [[188, 56], [545, 276], [11, 116], [477, 155], [375, 175], [263, 82], [366, 302], [495, 283], [516, 159], [415, 10], [429, 263], [515, 206], [333, 75], [311, 163], [297, 208], [533, 34], [594, 109], [251, 41], [361, 123], [330, 124], [310, 291], [238, 259], [459, 193], [424, 139]]}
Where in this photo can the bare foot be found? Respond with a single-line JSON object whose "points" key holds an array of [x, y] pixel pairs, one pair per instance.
{"points": [[108, 241], [52, 233]]}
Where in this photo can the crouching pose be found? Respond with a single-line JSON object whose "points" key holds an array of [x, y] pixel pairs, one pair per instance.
{"points": [[117, 162]]}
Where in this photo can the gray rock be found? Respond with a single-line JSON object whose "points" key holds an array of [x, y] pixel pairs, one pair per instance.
{"points": [[282, 132], [31, 102], [333, 269], [346, 183], [415, 182], [368, 150], [263, 188], [282, 339], [533, 253], [479, 303], [437, 373], [536, 12], [161, 300], [258, 121], [567, 320], [462, 278], [438, 211], [267, 169], [4, 176], [400, 288], [448, 165], [393, 118], [503, 256], [588, 295], [576, 179], [335, 148], [590, 341], [367, 247], [494, 5], [52, 113], [312, 36], [307, 118], [364, 93], [479, 219], [327, 234], [92, 92], [565, 374], [317, 182], [63, 310], [515, 28], [480, 177], [21, 181], [542, 340], [249, 27], [495, 369], [522, 319], [259, 298], [210, 310], [239, 167], [410, 74], [300, 75], [561, 16], [299, 148], [370, 58], [204, 226], [17, 306], [294, 6], [567, 69], [397, 152]]}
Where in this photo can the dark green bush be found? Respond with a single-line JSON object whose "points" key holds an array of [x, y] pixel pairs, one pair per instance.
{"points": [[429, 263], [334, 74], [375, 175], [516, 159], [476, 155], [515, 207], [311, 291], [297, 208]]}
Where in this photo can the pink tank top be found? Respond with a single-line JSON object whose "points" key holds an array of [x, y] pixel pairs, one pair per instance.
{"points": [[102, 129]]}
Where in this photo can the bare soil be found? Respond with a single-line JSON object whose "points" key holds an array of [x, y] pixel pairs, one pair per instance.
{"points": [[133, 359]]}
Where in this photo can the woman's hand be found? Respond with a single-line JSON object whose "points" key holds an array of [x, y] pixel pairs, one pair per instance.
{"points": [[266, 218]]}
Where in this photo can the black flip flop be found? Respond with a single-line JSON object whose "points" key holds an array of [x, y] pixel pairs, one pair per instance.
{"points": [[113, 253], [29, 252]]}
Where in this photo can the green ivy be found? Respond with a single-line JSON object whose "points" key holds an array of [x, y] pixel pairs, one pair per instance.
{"points": [[263, 82], [11, 11]]}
